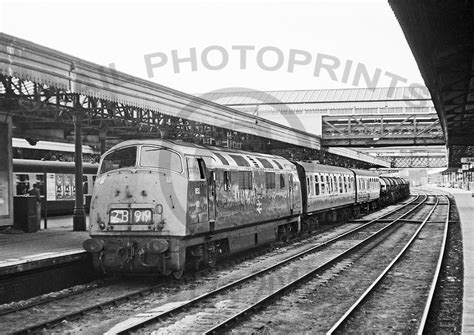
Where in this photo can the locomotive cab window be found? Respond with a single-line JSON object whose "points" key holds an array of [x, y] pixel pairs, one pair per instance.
{"points": [[118, 159], [196, 168], [162, 158]]}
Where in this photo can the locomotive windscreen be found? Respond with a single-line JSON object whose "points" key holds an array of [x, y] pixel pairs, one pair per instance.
{"points": [[160, 158], [122, 158]]}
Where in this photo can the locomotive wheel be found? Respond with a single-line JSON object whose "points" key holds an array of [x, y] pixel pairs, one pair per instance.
{"points": [[178, 274]]}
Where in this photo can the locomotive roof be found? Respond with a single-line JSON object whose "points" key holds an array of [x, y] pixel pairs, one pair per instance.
{"points": [[222, 157]]}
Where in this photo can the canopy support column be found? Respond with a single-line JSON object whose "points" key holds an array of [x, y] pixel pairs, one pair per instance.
{"points": [[79, 214]]}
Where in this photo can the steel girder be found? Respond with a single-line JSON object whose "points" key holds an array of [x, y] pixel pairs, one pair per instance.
{"points": [[416, 161], [38, 107], [381, 130]]}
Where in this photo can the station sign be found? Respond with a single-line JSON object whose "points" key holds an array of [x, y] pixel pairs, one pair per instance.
{"points": [[467, 159], [60, 186], [467, 163], [50, 186]]}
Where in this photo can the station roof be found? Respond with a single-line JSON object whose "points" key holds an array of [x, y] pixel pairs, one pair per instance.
{"points": [[29, 61], [441, 37], [252, 97]]}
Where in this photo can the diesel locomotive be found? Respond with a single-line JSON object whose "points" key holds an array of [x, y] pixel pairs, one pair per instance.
{"points": [[159, 205]]}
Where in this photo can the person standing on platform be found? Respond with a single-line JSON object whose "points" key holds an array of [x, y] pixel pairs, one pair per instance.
{"points": [[35, 191]]}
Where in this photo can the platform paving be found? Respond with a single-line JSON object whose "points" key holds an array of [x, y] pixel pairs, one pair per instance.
{"points": [[465, 205], [21, 251]]}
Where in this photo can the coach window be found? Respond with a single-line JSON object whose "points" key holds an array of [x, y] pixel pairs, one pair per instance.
{"points": [[334, 179], [328, 185], [308, 185], [341, 187], [323, 187], [195, 168], [316, 184], [22, 184], [40, 182], [282, 181]]}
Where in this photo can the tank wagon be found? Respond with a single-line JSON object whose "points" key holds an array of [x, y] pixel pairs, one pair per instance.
{"points": [[393, 189], [158, 205]]}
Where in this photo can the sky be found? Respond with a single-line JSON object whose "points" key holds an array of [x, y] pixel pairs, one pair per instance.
{"points": [[205, 46]]}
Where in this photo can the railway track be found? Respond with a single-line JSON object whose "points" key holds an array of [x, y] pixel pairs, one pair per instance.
{"points": [[420, 262], [395, 306], [218, 309], [47, 314]]}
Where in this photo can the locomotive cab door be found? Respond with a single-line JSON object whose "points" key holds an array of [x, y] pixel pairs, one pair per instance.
{"points": [[291, 193], [211, 186]]}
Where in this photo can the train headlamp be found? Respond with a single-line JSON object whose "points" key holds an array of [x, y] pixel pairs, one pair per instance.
{"points": [[159, 209]]}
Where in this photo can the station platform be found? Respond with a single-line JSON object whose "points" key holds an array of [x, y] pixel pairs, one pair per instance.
{"points": [[57, 244], [465, 205]]}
